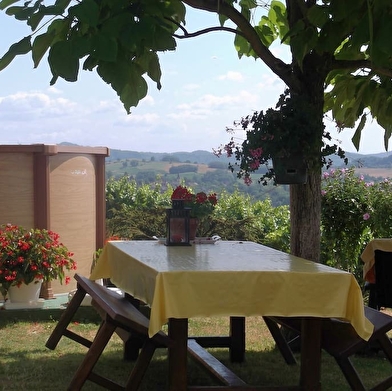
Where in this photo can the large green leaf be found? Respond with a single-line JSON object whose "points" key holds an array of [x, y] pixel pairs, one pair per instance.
{"points": [[62, 61], [357, 135], [117, 25], [248, 4], [318, 15], [133, 92], [90, 63], [126, 79], [104, 47], [242, 46], [265, 34], [303, 42], [343, 11], [43, 11], [278, 16], [382, 35], [163, 40], [41, 45], [63, 3], [387, 136], [24, 12], [35, 20], [86, 11], [21, 47], [6, 3], [81, 46], [149, 61]]}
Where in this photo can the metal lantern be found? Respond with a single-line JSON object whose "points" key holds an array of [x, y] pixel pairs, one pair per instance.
{"points": [[177, 220]]}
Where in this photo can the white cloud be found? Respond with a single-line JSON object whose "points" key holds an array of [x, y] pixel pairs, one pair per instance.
{"points": [[54, 90], [270, 80], [148, 100], [140, 120], [215, 101], [28, 106], [232, 75], [191, 87]]}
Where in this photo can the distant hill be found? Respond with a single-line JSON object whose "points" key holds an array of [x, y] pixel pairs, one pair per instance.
{"points": [[379, 160], [201, 157]]}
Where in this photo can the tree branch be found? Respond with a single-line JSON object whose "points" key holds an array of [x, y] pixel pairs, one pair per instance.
{"points": [[358, 64], [200, 32], [280, 68]]}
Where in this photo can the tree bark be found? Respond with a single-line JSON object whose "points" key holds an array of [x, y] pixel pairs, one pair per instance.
{"points": [[305, 200], [305, 217]]}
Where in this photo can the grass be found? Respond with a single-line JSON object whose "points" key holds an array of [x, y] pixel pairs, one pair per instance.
{"points": [[26, 364]]}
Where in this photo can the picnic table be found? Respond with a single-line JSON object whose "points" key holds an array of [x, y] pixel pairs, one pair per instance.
{"points": [[234, 279]]}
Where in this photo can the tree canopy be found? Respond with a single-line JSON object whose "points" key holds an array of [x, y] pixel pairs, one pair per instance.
{"points": [[341, 60], [348, 42]]}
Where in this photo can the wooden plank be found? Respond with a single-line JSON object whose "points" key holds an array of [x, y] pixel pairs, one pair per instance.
{"points": [[218, 341], [213, 365]]}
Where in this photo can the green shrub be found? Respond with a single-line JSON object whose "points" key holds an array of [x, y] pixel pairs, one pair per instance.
{"points": [[345, 214], [138, 212]]}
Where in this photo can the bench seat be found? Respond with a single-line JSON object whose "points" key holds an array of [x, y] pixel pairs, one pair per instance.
{"points": [[341, 341], [116, 312]]}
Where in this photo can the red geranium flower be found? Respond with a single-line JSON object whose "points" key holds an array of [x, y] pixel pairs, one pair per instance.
{"points": [[27, 255]]}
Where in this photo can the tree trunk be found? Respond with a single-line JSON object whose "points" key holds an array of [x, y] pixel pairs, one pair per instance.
{"points": [[305, 200], [305, 217]]}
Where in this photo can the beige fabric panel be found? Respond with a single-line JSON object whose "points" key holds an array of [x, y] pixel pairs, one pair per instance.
{"points": [[73, 209], [17, 189]]}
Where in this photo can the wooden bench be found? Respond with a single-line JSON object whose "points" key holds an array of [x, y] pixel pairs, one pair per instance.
{"points": [[117, 313], [341, 341], [214, 367]]}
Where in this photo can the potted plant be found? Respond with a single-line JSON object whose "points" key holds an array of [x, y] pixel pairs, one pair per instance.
{"points": [[284, 135], [30, 257], [201, 205]]}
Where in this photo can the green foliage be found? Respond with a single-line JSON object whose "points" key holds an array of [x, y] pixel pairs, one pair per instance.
{"points": [[380, 195], [345, 215], [21, 47], [29, 255], [138, 212], [353, 212], [285, 132], [118, 39], [124, 195], [183, 168], [240, 218]]}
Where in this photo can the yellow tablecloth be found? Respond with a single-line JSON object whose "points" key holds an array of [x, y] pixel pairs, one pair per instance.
{"points": [[367, 256], [229, 279]]}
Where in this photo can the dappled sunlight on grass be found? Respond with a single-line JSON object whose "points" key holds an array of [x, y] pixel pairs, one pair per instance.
{"points": [[38, 368]]}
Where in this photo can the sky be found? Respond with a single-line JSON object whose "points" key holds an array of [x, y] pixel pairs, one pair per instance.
{"points": [[205, 88]]}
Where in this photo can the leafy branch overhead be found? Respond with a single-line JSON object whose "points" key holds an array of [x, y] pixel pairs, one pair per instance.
{"points": [[119, 39], [346, 42]]}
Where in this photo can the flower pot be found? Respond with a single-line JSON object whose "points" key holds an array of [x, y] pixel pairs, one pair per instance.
{"points": [[28, 294], [290, 170]]}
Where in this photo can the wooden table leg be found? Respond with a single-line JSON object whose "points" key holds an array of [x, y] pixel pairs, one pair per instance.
{"points": [[178, 331], [311, 354], [237, 336], [132, 343]]}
